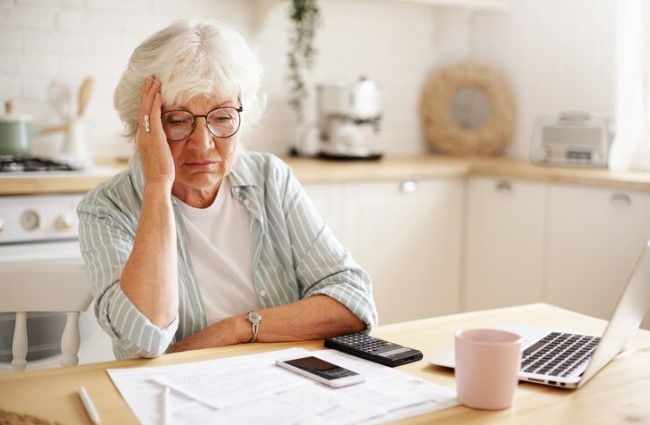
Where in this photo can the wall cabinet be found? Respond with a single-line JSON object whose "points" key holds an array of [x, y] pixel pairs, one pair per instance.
{"points": [[261, 8], [407, 235]]}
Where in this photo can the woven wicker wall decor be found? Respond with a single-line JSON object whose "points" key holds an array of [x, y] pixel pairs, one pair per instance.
{"points": [[443, 133]]}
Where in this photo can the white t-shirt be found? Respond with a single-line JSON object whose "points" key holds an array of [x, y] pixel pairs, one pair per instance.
{"points": [[219, 245]]}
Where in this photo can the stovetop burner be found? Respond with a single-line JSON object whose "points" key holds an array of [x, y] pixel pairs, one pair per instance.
{"points": [[30, 163]]}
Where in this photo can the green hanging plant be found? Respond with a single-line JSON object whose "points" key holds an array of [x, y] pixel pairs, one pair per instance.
{"points": [[305, 17]]}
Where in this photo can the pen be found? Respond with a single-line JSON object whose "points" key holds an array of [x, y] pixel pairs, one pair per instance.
{"points": [[173, 387], [166, 406], [89, 406]]}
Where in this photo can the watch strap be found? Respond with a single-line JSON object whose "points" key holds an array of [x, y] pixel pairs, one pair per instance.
{"points": [[254, 318]]}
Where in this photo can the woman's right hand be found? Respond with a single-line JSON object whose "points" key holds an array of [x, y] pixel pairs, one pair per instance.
{"points": [[150, 276], [157, 160]]}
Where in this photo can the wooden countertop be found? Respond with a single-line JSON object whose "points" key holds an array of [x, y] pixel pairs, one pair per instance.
{"points": [[432, 166], [598, 177], [37, 183], [309, 170]]}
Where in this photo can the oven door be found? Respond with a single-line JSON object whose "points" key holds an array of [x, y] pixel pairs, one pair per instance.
{"points": [[44, 330]]}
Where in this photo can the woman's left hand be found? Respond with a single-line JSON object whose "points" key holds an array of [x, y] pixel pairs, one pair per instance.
{"points": [[316, 317], [224, 332]]}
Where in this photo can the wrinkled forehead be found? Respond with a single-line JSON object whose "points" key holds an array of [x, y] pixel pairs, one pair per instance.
{"points": [[181, 88], [202, 100]]}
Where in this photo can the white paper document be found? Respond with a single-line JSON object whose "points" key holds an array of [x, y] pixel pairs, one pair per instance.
{"points": [[253, 389]]}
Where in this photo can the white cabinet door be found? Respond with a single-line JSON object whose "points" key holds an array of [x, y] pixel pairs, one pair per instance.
{"points": [[328, 200], [504, 243], [407, 236], [595, 237]]}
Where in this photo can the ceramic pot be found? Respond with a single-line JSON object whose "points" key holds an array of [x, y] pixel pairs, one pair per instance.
{"points": [[16, 132]]}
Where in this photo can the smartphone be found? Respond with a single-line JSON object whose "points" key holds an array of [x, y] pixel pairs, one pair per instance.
{"points": [[322, 371]]}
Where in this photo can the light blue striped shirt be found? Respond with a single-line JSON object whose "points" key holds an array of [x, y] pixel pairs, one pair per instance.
{"points": [[295, 254]]}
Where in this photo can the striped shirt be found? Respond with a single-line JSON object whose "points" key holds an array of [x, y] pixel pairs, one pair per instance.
{"points": [[295, 255]]}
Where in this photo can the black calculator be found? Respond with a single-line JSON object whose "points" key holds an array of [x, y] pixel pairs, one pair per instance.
{"points": [[374, 349]]}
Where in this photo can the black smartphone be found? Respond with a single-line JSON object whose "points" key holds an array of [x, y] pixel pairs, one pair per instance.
{"points": [[322, 371]]}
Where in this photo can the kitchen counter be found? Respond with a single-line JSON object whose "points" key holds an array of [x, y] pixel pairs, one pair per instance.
{"points": [[309, 170], [430, 166], [50, 182], [597, 177]]}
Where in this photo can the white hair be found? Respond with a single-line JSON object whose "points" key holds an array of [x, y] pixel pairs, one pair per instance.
{"points": [[194, 57]]}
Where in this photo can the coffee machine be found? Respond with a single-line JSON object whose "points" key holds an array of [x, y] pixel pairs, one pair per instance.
{"points": [[349, 117]]}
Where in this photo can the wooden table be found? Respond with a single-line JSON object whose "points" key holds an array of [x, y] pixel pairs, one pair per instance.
{"points": [[620, 393]]}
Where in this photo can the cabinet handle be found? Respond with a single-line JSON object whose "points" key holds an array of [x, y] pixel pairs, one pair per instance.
{"points": [[408, 186], [503, 186], [620, 200]]}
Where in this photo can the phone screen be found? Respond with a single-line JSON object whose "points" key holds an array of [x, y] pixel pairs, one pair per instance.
{"points": [[322, 371], [321, 367]]}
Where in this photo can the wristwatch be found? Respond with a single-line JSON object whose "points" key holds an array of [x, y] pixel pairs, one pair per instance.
{"points": [[255, 318]]}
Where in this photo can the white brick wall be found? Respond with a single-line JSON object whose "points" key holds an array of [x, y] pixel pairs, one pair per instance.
{"points": [[396, 43], [46, 40]]}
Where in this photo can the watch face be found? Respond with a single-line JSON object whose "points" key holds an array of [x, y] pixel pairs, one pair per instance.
{"points": [[254, 317]]}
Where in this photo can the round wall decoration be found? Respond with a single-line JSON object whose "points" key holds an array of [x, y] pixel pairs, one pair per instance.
{"points": [[467, 108]]}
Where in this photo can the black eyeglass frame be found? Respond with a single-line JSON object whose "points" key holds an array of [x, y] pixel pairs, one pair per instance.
{"points": [[239, 110]]}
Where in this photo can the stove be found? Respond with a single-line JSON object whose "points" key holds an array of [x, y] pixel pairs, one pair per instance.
{"points": [[26, 220], [30, 163]]}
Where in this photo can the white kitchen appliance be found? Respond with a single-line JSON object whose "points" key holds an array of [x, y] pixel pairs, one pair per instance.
{"points": [[572, 139], [349, 117], [35, 229]]}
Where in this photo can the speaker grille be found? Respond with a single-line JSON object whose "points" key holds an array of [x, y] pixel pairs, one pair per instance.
{"points": [[571, 135]]}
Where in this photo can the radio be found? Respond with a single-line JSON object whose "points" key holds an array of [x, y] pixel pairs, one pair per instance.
{"points": [[571, 138]]}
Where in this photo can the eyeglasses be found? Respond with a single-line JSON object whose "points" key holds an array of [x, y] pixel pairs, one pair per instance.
{"points": [[222, 122]]}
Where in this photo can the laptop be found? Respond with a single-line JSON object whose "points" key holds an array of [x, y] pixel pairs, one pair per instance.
{"points": [[567, 360]]}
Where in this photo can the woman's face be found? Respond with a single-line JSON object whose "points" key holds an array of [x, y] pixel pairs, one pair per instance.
{"points": [[202, 160]]}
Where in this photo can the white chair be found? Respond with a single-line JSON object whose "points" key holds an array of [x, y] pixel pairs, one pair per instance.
{"points": [[44, 287]]}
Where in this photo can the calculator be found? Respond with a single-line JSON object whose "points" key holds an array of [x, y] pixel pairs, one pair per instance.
{"points": [[374, 349]]}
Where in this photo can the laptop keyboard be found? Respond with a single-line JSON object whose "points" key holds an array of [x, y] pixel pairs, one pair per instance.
{"points": [[558, 354]]}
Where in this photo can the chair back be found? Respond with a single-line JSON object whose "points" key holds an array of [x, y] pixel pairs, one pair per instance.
{"points": [[28, 287]]}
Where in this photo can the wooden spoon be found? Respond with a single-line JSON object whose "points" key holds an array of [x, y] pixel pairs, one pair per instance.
{"points": [[84, 95]]}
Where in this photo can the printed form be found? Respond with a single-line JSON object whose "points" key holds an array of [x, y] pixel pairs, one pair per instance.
{"points": [[253, 389]]}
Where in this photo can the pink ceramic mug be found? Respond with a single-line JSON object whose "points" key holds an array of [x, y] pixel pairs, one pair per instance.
{"points": [[487, 367]]}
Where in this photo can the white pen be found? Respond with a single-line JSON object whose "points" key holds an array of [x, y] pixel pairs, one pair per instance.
{"points": [[89, 406], [165, 383], [166, 420]]}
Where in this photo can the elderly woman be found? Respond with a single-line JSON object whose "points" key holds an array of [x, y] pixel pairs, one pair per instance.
{"points": [[200, 243]]}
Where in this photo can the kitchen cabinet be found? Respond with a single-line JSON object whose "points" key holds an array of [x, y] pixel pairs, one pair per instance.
{"points": [[504, 243], [498, 5], [328, 200], [407, 235], [567, 236], [594, 239], [261, 8], [568, 245]]}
